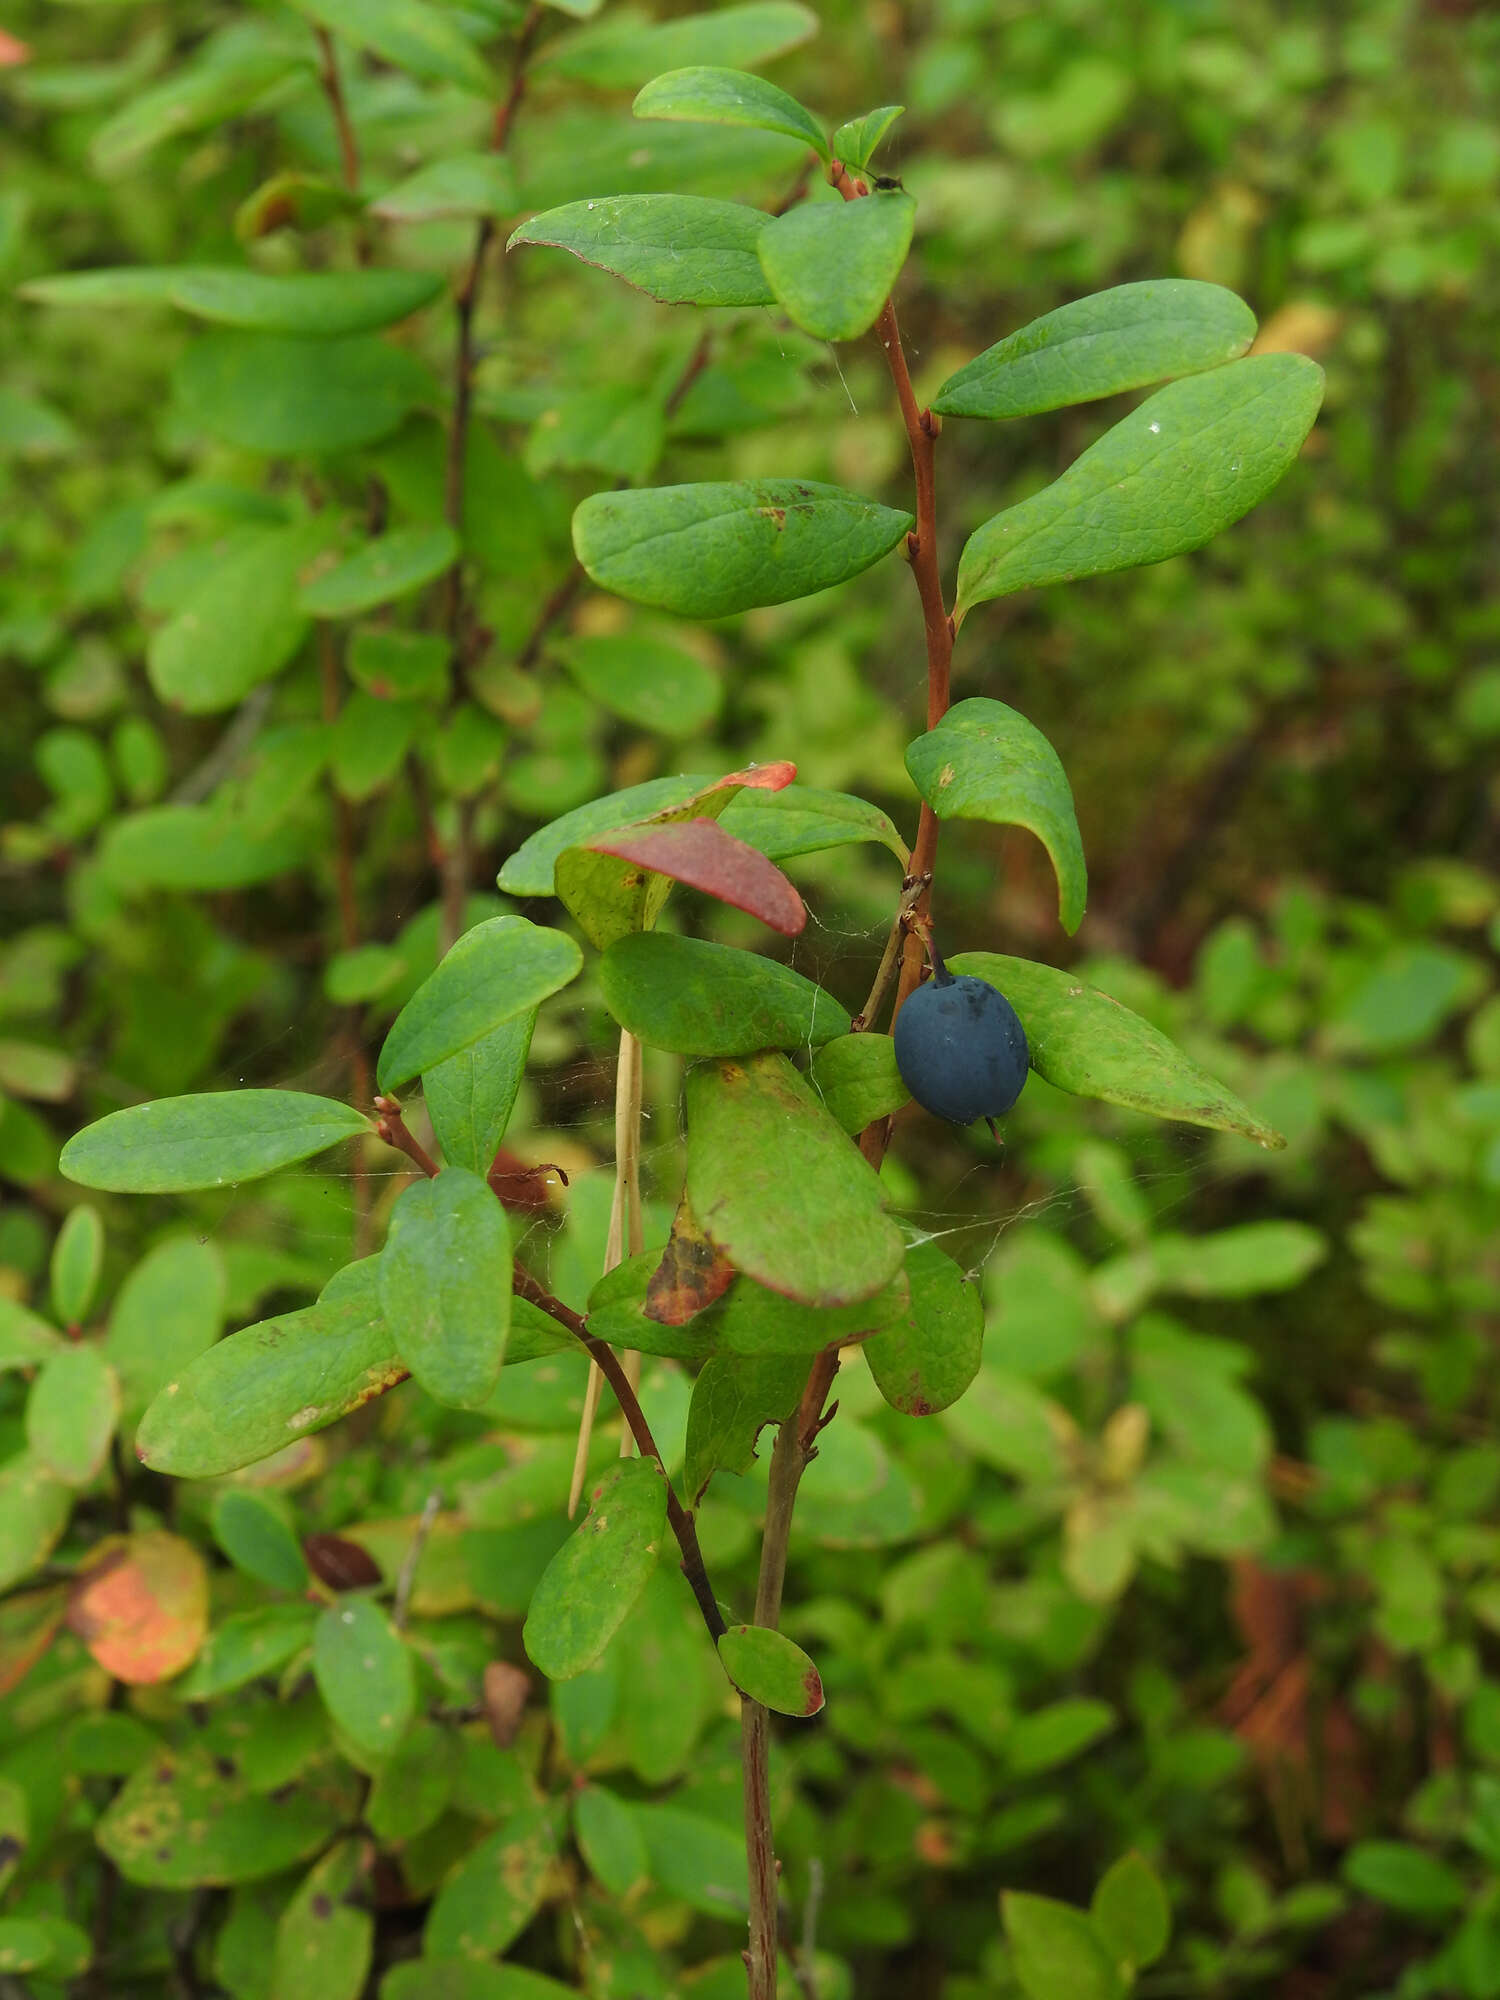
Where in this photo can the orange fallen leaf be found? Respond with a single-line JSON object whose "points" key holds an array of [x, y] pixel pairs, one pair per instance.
{"points": [[141, 1606]]}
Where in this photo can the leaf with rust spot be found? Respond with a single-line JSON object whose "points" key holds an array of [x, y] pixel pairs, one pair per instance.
{"points": [[141, 1606], [494, 1892], [768, 1668], [325, 1941], [691, 1275], [180, 1822], [28, 1625]]}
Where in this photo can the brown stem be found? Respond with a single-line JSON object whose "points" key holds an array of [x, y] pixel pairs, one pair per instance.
{"points": [[465, 303], [333, 90], [796, 1441], [796, 1445], [361, 1079], [557, 606], [912, 891], [392, 1127], [678, 1517]]}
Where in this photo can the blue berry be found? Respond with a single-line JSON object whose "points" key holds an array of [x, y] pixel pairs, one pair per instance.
{"points": [[961, 1049]]}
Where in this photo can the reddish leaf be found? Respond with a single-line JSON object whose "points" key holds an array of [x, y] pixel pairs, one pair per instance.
{"points": [[141, 1606], [692, 1273], [341, 1564], [12, 52], [700, 853], [756, 778], [27, 1626]]}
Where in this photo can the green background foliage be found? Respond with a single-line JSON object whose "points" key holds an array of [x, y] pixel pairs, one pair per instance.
{"points": [[1163, 1648]]}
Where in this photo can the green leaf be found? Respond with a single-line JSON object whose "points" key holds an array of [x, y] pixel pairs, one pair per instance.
{"points": [[267, 1385], [26, 1945], [370, 742], [246, 1646], [216, 1139], [391, 566], [502, 968], [239, 627], [1121, 339], [414, 1784], [1090, 1045], [682, 249], [325, 1941], [488, 1900], [470, 1096], [364, 1674], [930, 1356], [274, 393], [180, 1823], [431, 1978], [696, 1860], [254, 1532], [1239, 1263], [1056, 1734], [857, 140], [77, 1259], [857, 1079], [228, 74], [710, 550], [780, 1189], [712, 96], [755, 1321], [315, 304], [609, 1839], [478, 184], [34, 1510], [25, 1337], [734, 1398], [361, 973], [589, 1586], [1131, 1912], [701, 999], [832, 264], [71, 1414], [445, 1285], [766, 1667], [1407, 1878], [425, 41], [399, 666], [30, 428], [1192, 459], [529, 871], [800, 819], [653, 685], [169, 1310], [984, 761], [1056, 1951], [195, 847], [622, 55]]}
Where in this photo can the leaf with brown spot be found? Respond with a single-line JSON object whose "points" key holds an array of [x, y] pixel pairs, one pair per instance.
{"points": [[691, 1275], [766, 1666], [141, 1606], [325, 1940]]}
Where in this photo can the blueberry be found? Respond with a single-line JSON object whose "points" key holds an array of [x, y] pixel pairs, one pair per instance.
{"points": [[960, 1048]]}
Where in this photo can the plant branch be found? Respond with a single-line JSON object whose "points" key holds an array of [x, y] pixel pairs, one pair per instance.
{"points": [[796, 1440], [333, 90], [678, 1516], [392, 1127]]}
